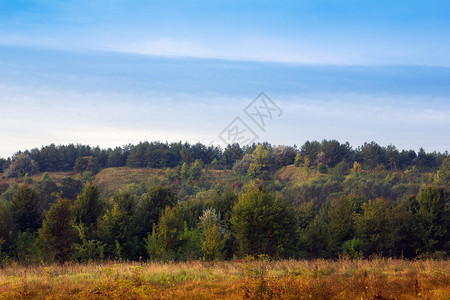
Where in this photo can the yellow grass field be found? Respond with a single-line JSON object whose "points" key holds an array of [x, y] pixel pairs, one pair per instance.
{"points": [[255, 279]]}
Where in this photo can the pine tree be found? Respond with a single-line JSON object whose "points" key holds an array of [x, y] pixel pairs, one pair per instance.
{"points": [[26, 210], [57, 235], [89, 207]]}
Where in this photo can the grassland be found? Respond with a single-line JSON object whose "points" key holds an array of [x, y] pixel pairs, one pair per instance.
{"points": [[257, 279]]}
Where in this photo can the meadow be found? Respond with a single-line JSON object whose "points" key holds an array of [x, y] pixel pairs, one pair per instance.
{"points": [[241, 279]]}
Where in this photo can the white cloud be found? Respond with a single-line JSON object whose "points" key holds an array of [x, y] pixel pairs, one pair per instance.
{"points": [[166, 46]]}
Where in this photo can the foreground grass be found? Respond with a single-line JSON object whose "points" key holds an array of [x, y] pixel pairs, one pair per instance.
{"points": [[287, 279]]}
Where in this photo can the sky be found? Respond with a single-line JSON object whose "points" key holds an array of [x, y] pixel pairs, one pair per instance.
{"points": [[110, 73]]}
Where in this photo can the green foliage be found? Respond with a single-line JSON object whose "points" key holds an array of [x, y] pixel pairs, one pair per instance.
{"points": [[263, 224], [26, 209], [113, 228], [307, 162], [88, 249], [46, 189], [339, 171], [327, 220], [444, 171], [6, 221], [184, 172], [240, 167], [191, 246], [21, 165], [316, 237], [150, 208], [373, 226], [215, 164], [214, 234], [57, 234], [169, 230], [170, 174], [136, 189], [154, 246], [341, 222], [8, 195], [25, 247], [153, 181], [298, 160], [195, 170], [432, 219], [260, 161], [282, 156], [322, 168], [224, 204], [353, 248], [70, 188], [87, 164], [126, 203], [402, 224], [89, 207], [27, 179]]}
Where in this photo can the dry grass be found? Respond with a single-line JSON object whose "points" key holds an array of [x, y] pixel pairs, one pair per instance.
{"points": [[111, 180], [287, 279], [55, 176], [295, 175]]}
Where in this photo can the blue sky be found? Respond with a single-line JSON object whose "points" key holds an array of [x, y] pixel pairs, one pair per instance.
{"points": [[112, 72]]}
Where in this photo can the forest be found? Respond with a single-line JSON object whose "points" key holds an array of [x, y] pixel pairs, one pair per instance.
{"points": [[157, 201]]}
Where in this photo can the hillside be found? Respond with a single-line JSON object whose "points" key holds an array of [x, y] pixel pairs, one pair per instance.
{"points": [[271, 201]]}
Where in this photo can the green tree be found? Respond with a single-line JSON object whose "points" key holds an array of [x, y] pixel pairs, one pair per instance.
{"points": [[191, 246], [88, 249], [341, 223], [298, 160], [322, 168], [6, 221], [184, 172], [26, 210], [169, 230], [27, 179], [46, 189], [113, 228], [373, 226], [338, 172], [241, 167], [70, 188], [26, 250], [402, 222], [89, 207], [214, 234], [126, 203], [263, 224], [150, 208], [57, 235], [353, 248], [432, 219], [21, 164], [87, 164], [195, 171], [260, 161], [316, 237], [444, 171]]}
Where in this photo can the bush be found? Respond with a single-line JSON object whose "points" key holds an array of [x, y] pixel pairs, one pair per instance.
{"points": [[21, 165], [322, 168]]}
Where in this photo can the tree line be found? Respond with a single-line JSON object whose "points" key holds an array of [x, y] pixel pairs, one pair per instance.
{"points": [[227, 225], [78, 157], [337, 207]]}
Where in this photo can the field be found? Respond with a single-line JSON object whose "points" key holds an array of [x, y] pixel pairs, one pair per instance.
{"points": [[245, 279]]}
